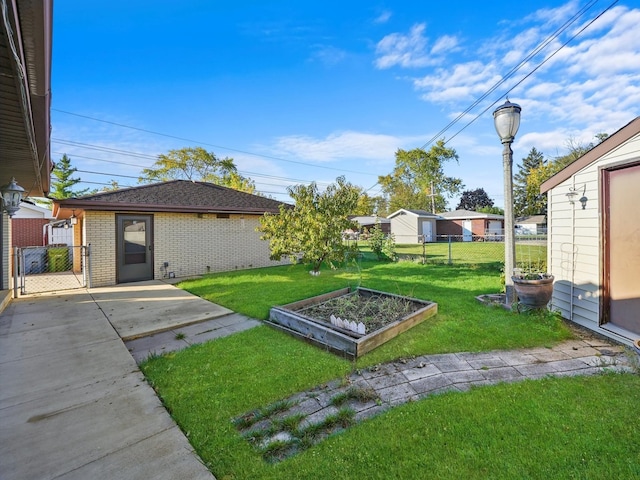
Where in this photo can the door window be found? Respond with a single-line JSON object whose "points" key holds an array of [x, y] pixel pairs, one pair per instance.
{"points": [[135, 249]]}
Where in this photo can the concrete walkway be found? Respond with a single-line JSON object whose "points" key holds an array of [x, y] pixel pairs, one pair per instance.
{"points": [[73, 403], [375, 389]]}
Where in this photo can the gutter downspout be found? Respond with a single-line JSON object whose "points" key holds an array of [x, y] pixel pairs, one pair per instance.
{"points": [[573, 251]]}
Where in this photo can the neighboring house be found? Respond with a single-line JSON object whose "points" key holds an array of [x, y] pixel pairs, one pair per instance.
{"points": [[366, 224], [171, 229], [413, 226], [594, 236], [532, 225], [28, 225], [25, 96], [470, 225]]}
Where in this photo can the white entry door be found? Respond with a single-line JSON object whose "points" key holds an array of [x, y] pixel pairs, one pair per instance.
{"points": [[467, 232], [427, 231]]}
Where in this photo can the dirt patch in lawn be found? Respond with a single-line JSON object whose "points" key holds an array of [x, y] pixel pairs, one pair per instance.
{"points": [[375, 311]]}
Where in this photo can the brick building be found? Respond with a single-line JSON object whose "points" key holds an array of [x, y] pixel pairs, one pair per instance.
{"points": [[178, 228], [27, 225]]}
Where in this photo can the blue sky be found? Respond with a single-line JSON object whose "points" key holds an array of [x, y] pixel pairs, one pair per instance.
{"points": [[297, 92]]}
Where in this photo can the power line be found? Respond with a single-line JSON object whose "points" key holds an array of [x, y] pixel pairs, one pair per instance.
{"points": [[514, 69], [535, 69], [242, 172], [212, 145]]}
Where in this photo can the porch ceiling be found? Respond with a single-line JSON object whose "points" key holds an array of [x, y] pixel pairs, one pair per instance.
{"points": [[25, 94]]}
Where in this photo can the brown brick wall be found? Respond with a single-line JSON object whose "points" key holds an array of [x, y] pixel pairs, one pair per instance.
{"points": [[448, 227], [27, 232], [454, 227]]}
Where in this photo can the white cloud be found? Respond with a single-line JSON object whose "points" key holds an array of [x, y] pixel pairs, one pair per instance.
{"points": [[462, 82], [384, 17], [591, 85], [444, 44], [403, 50], [554, 16], [329, 55], [339, 146]]}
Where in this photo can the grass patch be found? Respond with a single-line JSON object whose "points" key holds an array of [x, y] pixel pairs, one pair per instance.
{"points": [[462, 323], [552, 428], [359, 394], [528, 254]]}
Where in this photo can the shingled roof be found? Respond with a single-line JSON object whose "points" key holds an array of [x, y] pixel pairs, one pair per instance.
{"points": [[174, 196]]}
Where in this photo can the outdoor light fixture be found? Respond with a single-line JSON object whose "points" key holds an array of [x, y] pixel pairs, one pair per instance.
{"points": [[12, 194], [573, 193], [583, 202], [73, 218], [506, 119]]}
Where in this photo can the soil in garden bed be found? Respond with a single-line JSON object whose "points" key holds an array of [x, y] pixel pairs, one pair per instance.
{"points": [[375, 311]]}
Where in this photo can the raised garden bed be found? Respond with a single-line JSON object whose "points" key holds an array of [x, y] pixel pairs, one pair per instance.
{"points": [[384, 316]]}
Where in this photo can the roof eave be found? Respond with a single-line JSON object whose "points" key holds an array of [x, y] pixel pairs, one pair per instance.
{"points": [[610, 143], [78, 204]]}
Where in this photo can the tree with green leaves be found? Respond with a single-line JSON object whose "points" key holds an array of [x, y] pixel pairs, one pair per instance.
{"points": [[368, 205], [418, 180], [535, 170], [383, 245], [526, 199], [474, 199], [63, 180], [494, 210], [311, 231], [195, 163], [112, 186]]}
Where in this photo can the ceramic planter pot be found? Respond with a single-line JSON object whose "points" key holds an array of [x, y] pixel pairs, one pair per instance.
{"points": [[534, 293]]}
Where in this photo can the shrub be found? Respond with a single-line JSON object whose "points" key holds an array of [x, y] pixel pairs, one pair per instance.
{"points": [[384, 246]]}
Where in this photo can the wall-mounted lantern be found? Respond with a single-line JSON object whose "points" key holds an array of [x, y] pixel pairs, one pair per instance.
{"points": [[573, 193], [12, 194], [73, 218]]}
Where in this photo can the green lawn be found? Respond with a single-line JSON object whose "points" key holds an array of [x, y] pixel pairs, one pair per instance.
{"points": [[553, 428], [529, 254]]}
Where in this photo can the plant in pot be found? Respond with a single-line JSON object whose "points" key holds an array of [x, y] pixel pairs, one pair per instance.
{"points": [[533, 287]]}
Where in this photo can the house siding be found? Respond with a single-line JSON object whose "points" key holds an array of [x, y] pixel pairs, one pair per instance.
{"points": [[28, 232], [404, 227], [188, 243], [574, 239]]}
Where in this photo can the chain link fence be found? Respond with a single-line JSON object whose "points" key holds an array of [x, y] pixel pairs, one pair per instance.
{"points": [[50, 268], [531, 250]]}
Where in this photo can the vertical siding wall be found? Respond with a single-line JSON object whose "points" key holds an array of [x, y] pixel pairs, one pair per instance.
{"points": [[405, 228], [575, 236]]}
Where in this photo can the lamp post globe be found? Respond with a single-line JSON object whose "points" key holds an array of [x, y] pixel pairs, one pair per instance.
{"points": [[506, 119]]}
